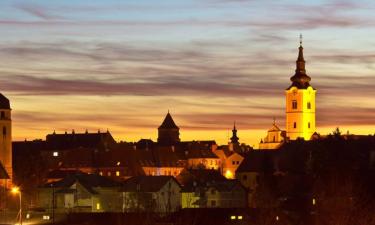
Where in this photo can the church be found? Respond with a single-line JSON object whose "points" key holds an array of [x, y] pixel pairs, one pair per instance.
{"points": [[299, 109]]}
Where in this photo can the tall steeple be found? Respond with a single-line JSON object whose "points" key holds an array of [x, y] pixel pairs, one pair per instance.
{"points": [[300, 102], [168, 131], [300, 79], [234, 139]]}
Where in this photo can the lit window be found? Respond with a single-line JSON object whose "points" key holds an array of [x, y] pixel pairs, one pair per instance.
{"points": [[313, 201], [55, 154], [98, 206], [239, 217], [45, 217], [109, 174], [294, 104], [232, 217], [308, 105], [295, 125], [117, 173], [101, 173], [277, 218], [118, 163]]}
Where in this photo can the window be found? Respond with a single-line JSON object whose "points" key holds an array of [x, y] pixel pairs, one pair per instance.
{"points": [[308, 124], [274, 139], [97, 206], [294, 104], [213, 203], [55, 154], [238, 162], [109, 174], [117, 173], [4, 131], [233, 163], [295, 125], [308, 105], [101, 173]]}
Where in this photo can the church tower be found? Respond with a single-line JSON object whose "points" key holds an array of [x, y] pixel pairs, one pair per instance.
{"points": [[300, 103], [234, 139], [6, 136], [168, 132]]}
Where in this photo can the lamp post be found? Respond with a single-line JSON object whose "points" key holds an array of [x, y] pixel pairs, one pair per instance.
{"points": [[16, 190]]}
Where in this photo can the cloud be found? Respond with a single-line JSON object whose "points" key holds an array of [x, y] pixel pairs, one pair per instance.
{"points": [[37, 11]]}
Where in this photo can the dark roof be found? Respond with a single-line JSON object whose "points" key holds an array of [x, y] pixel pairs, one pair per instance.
{"points": [[4, 102], [258, 161], [146, 183], [60, 174], [226, 185], [189, 177], [89, 181], [3, 173], [74, 140], [200, 153], [168, 123]]}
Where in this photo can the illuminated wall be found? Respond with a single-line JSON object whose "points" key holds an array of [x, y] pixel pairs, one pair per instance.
{"points": [[6, 141], [300, 113]]}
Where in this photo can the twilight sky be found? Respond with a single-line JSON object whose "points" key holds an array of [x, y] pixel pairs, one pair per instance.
{"points": [[122, 64]]}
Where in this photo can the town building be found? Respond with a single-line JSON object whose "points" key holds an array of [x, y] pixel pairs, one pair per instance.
{"points": [[81, 192], [159, 194], [168, 131]]}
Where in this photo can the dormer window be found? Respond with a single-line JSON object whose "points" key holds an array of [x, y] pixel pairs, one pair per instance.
{"points": [[294, 104]]}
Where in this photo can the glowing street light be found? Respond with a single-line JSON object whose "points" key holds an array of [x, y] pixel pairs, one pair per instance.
{"points": [[16, 190]]}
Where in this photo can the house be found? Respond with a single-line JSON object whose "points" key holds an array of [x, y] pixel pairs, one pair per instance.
{"points": [[230, 161], [81, 192], [203, 188], [254, 165], [274, 139], [160, 194]]}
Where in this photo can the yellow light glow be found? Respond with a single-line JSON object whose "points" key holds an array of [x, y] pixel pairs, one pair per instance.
{"points": [[229, 174], [313, 201], [15, 190], [277, 218], [239, 217], [117, 173], [97, 206], [232, 217]]}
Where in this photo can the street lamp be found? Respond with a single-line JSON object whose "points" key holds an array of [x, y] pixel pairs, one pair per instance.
{"points": [[16, 190]]}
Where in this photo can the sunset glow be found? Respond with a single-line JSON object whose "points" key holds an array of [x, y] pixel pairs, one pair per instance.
{"points": [[121, 65]]}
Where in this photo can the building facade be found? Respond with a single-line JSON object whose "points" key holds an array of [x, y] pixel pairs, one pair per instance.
{"points": [[6, 138]]}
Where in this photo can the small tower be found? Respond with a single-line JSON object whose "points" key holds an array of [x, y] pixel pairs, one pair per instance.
{"points": [[234, 139], [300, 102], [6, 136], [168, 132]]}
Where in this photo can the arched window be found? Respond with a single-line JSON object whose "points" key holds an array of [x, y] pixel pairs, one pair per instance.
{"points": [[295, 125], [294, 104]]}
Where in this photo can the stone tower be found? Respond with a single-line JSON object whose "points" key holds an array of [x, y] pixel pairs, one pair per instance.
{"points": [[6, 136], [300, 103], [168, 131]]}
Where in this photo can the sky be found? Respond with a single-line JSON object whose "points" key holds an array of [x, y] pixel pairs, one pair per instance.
{"points": [[121, 65]]}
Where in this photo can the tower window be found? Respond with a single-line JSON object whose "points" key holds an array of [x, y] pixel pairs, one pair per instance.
{"points": [[308, 124], [309, 105], [294, 104], [295, 125], [4, 131]]}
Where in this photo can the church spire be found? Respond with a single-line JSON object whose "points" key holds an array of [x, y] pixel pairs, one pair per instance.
{"points": [[234, 139], [300, 79]]}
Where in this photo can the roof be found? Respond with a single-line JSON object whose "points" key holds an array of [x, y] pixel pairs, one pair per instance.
{"points": [[168, 123], [200, 153], [4, 102], [258, 161], [226, 185], [300, 79], [146, 183], [3, 173], [188, 177], [74, 140], [88, 181]]}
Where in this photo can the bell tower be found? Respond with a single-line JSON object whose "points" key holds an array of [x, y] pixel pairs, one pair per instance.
{"points": [[6, 136], [300, 102]]}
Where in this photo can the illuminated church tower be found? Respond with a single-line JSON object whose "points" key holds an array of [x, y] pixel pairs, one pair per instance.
{"points": [[300, 103], [6, 136]]}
